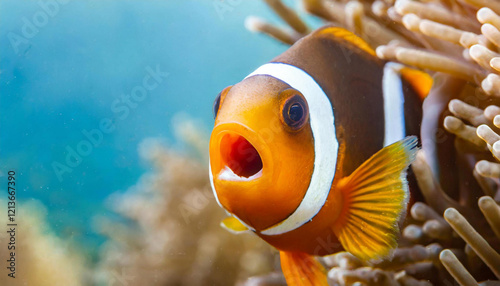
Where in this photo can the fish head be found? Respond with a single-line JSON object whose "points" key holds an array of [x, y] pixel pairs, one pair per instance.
{"points": [[261, 150]]}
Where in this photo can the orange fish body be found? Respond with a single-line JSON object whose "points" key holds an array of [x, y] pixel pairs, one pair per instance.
{"points": [[309, 151]]}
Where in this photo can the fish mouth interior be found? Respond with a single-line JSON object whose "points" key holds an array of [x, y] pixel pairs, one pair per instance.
{"points": [[241, 159]]}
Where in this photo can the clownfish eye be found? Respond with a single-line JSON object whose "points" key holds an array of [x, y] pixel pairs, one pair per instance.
{"points": [[219, 100], [295, 112], [216, 105]]}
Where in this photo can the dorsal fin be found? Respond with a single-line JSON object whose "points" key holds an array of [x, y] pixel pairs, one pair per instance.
{"points": [[419, 80], [344, 34]]}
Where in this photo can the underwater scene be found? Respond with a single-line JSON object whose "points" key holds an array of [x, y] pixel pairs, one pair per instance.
{"points": [[232, 142]]}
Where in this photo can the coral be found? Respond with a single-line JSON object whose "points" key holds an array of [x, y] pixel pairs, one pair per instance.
{"points": [[42, 258], [449, 233], [172, 235]]}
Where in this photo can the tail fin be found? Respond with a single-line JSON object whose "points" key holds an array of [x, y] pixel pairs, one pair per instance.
{"points": [[301, 269]]}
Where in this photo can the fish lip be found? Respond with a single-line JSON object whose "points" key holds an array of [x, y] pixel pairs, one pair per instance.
{"points": [[227, 174], [234, 167], [222, 172]]}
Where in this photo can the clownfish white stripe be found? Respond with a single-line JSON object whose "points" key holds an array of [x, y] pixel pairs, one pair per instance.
{"points": [[394, 118], [325, 143]]}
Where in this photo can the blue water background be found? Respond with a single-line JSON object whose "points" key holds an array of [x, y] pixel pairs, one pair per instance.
{"points": [[64, 79]]}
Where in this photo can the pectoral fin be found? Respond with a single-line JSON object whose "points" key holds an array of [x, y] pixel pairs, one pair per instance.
{"points": [[233, 225], [301, 269], [375, 196]]}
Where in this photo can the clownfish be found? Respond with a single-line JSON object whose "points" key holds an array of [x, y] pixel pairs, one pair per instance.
{"points": [[310, 151]]}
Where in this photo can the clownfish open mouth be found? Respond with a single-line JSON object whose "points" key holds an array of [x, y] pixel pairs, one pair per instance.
{"points": [[242, 161]]}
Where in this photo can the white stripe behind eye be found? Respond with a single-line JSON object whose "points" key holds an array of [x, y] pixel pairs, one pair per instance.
{"points": [[394, 126], [325, 143]]}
